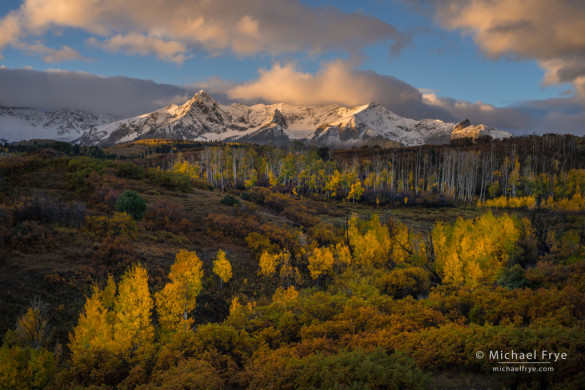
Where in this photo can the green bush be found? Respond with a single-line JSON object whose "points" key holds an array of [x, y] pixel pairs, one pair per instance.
{"points": [[230, 200], [131, 203], [513, 278]]}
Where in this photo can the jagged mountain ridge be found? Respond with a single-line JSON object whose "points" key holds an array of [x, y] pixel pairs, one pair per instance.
{"points": [[22, 123], [465, 129], [203, 119]]}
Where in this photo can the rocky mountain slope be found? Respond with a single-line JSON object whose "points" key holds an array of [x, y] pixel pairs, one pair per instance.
{"points": [[203, 119], [21, 123]]}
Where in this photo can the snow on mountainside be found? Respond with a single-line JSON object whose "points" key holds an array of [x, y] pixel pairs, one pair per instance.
{"points": [[374, 123], [204, 119], [21, 123], [466, 130]]}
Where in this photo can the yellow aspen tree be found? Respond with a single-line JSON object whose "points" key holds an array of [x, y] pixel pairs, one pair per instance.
{"points": [[373, 245], [356, 191], [252, 179], [453, 269], [33, 327], [133, 330], [402, 248], [179, 297], [94, 330], [235, 305], [287, 272], [268, 264], [288, 296], [342, 254], [222, 267], [474, 251], [320, 262], [272, 179]]}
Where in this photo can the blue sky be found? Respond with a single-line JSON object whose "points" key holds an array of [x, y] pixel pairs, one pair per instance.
{"points": [[454, 59]]}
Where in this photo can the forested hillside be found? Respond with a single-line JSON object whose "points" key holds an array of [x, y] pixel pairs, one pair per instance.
{"points": [[169, 264]]}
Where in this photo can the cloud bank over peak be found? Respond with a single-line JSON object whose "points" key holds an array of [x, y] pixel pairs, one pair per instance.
{"points": [[57, 89], [338, 82], [342, 83]]}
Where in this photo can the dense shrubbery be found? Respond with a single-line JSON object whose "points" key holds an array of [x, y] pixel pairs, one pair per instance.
{"points": [[118, 225], [79, 169], [169, 180], [165, 215], [115, 253], [324, 301], [31, 236], [106, 190], [130, 171], [47, 210]]}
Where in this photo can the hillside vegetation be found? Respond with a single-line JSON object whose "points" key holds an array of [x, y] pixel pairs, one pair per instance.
{"points": [[169, 264]]}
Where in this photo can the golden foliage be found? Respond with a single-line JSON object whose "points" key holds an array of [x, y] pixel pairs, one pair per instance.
{"points": [[133, 330], [472, 251], [268, 264], [370, 242], [94, 330], [222, 267], [33, 327], [178, 298], [320, 262]]}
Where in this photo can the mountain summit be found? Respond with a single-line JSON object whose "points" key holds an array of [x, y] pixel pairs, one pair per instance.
{"points": [[202, 118]]}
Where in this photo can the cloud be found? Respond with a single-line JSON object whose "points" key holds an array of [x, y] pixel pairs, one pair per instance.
{"points": [[558, 115], [479, 112], [134, 43], [52, 55], [552, 33], [339, 82], [56, 89], [178, 27]]}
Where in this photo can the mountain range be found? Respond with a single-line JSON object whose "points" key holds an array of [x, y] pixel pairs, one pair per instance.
{"points": [[203, 119]]}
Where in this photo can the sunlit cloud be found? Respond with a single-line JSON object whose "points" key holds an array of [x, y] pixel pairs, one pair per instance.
{"points": [[552, 33], [173, 31], [49, 54], [56, 88], [340, 82], [134, 43]]}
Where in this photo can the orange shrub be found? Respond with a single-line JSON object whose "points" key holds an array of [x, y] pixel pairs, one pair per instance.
{"points": [[165, 215]]}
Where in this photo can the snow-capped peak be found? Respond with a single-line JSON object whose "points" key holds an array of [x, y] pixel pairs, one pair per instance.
{"points": [[204, 97], [202, 118]]}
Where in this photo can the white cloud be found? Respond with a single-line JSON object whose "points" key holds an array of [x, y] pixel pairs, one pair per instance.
{"points": [[550, 32], [339, 82], [479, 112], [134, 43], [173, 28], [49, 54], [54, 89]]}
